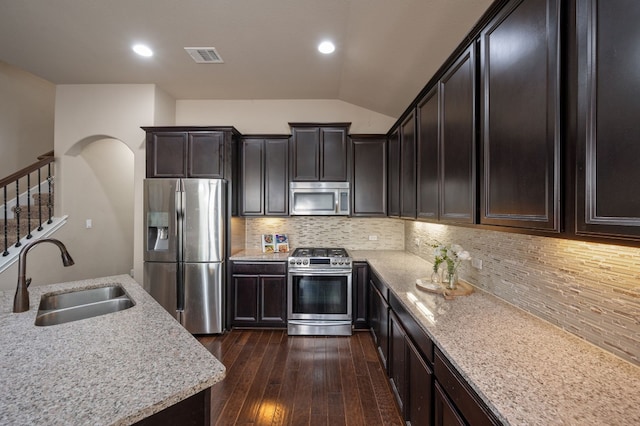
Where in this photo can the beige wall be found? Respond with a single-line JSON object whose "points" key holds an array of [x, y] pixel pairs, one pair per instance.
{"points": [[100, 154], [591, 290], [26, 118], [273, 116]]}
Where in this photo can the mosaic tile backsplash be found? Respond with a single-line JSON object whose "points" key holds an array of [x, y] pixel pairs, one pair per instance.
{"points": [[334, 231], [591, 290]]}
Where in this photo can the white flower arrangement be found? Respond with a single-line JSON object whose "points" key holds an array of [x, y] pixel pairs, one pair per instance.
{"points": [[451, 255]]}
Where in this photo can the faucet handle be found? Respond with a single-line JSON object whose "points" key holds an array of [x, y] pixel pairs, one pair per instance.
{"points": [[28, 282]]}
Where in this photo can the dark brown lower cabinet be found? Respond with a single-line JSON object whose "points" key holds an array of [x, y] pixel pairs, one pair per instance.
{"points": [[419, 388], [398, 362], [360, 283], [458, 396], [410, 375], [192, 411], [379, 319], [259, 294], [445, 412]]}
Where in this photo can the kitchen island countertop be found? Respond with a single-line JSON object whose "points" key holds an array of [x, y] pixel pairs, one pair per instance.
{"points": [[528, 371], [113, 369]]}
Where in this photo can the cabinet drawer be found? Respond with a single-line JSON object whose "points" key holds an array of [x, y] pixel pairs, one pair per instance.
{"points": [[260, 268], [465, 400]]}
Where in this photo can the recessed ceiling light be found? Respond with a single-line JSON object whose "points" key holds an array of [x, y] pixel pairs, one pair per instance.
{"points": [[142, 50], [326, 47]]}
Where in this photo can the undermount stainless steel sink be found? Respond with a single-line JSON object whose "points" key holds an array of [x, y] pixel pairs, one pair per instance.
{"points": [[81, 304]]}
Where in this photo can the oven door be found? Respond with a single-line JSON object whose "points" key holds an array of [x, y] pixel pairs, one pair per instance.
{"points": [[322, 295]]}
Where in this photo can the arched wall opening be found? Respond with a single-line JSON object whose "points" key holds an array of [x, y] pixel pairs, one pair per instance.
{"points": [[101, 203]]}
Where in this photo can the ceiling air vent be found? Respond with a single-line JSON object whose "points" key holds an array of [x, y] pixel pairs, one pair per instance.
{"points": [[204, 55]]}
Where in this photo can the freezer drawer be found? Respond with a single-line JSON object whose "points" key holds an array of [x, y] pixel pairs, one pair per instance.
{"points": [[202, 307], [160, 281]]}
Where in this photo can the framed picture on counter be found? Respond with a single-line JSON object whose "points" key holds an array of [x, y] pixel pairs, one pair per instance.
{"points": [[275, 243]]}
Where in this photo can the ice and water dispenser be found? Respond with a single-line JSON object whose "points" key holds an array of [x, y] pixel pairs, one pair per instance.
{"points": [[157, 231]]}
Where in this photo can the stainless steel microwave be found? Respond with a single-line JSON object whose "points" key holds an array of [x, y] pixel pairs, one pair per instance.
{"points": [[319, 198]]}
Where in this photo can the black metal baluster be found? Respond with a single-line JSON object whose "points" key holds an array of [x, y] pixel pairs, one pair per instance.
{"points": [[50, 201], [40, 199], [6, 224], [17, 211], [29, 236]]}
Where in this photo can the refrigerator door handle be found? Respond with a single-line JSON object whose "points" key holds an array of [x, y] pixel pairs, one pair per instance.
{"points": [[179, 202], [180, 289]]}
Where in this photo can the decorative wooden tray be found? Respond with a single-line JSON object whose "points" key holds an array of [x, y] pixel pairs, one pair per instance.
{"points": [[462, 289]]}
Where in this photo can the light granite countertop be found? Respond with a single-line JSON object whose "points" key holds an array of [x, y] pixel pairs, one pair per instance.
{"points": [[259, 256], [528, 371], [114, 369]]}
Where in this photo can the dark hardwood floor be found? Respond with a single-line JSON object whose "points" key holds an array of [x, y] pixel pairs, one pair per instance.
{"points": [[274, 379]]}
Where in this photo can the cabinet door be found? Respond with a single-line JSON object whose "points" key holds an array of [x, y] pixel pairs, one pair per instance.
{"points": [[273, 301], [457, 156], [419, 410], [206, 155], [393, 205], [427, 145], [333, 149], [608, 127], [445, 412], [520, 74], [360, 293], [369, 180], [398, 362], [245, 299], [380, 323], [252, 177], [166, 154], [408, 167], [305, 154], [276, 181]]}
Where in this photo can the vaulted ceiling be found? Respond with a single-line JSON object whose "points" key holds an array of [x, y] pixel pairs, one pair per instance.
{"points": [[386, 50]]}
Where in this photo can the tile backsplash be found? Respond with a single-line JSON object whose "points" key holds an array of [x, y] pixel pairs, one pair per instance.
{"points": [[591, 290], [334, 231]]}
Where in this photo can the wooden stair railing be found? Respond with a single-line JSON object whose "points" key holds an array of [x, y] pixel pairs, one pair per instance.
{"points": [[12, 229]]}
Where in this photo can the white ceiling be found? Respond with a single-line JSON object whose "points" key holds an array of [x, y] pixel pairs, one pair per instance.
{"points": [[386, 52]]}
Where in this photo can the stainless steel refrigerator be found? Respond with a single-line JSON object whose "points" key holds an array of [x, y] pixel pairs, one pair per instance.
{"points": [[185, 249]]}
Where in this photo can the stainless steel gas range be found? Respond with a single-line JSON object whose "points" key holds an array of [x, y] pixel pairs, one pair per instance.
{"points": [[319, 292]]}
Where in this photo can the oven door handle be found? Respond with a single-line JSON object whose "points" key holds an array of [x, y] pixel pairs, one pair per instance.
{"points": [[316, 272]]}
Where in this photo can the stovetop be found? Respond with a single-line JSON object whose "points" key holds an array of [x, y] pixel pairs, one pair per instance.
{"points": [[319, 252], [320, 257]]}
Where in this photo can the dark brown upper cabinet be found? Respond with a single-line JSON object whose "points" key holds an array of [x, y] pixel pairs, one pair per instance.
{"points": [[189, 152], [428, 182], [520, 125], [185, 154], [393, 174], [408, 167], [458, 140], [319, 152], [608, 128], [369, 175], [264, 182]]}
